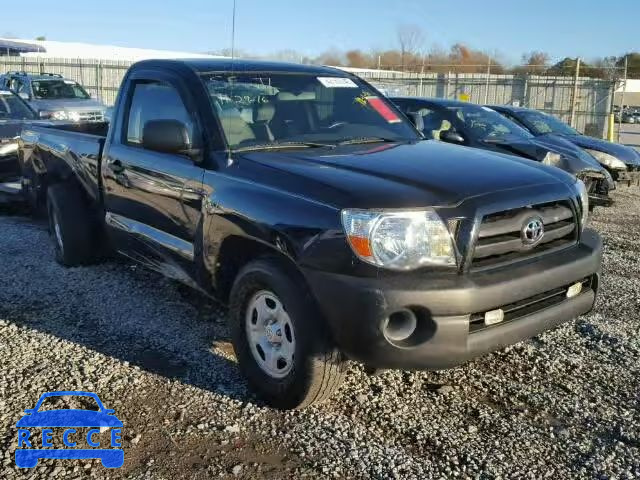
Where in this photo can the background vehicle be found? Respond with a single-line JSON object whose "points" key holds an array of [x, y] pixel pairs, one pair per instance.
{"points": [[307, 202], [622, 162], [15, 113], [476, 126], [55, 97]]}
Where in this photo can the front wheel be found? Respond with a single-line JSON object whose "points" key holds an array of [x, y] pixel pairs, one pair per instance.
{"points": [[280, 339]]}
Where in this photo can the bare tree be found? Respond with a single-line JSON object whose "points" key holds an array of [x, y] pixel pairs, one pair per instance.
{"points": [[411, 41]]}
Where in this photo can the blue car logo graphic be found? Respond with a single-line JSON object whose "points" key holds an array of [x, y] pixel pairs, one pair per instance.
{"points": [[27, 456]]}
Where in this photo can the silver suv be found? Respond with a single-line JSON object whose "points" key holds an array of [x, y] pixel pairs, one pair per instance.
{"points": [[55, 97]]}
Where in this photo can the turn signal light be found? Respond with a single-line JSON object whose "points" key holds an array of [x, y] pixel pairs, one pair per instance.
{"points": [[494, 316], [574, 290]]}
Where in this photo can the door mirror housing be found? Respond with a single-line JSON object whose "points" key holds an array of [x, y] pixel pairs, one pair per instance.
{"points": [[451, 136], [24, 96], [167, 136]]}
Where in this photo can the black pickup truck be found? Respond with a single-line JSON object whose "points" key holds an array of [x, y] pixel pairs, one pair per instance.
{"points": [[303, 199]]}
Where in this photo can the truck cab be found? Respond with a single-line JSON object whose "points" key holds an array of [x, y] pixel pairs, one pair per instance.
{"points": [[308, 203]]}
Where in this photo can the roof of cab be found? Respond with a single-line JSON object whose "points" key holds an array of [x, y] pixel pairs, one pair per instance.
{"points": [[204, 65]]}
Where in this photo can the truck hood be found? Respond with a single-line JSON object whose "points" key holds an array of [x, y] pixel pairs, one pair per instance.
{"points": [[626, 154], [425, 173], [68, 105]]}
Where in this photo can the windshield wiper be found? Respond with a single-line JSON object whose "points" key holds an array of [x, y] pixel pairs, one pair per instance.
{"points": [[355, 141], [278, 145]]}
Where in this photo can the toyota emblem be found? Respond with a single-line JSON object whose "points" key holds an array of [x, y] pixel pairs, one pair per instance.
{"points": [[532, 231]]}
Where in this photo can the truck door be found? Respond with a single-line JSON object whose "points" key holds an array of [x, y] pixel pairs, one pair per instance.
{"points": [[153, 199]]}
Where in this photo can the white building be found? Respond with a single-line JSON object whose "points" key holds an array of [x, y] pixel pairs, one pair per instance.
{"points": [[78, 50]]}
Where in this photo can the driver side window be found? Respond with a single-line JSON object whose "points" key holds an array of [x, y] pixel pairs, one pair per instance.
{"points": [[435, 122], [155, 101]]}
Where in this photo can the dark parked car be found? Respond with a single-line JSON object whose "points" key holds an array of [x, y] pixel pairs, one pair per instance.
{"points": [[315, 210], [622, 162], [480, 127], [14, 114], [55, 97]]}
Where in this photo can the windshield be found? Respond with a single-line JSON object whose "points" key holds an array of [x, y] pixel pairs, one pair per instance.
{"points": [[267, 110], [541, 123], [12, 107], [58, 89], [484, 124]]}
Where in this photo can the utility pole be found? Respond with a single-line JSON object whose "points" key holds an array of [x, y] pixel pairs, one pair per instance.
{"points": [[574, 100], [624, 90], [486, 92]]}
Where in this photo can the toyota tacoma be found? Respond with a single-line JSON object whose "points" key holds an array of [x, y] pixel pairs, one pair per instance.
{"points": [[305, 201]]}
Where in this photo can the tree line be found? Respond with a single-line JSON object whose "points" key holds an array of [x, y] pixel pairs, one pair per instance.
{"points": [[409, 55]]}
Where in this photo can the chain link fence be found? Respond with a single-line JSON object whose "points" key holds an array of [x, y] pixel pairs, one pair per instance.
{"points": [[588, 100]]}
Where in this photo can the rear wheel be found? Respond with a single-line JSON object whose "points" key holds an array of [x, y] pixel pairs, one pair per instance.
{"points": [[281, 341], [71, 226]]}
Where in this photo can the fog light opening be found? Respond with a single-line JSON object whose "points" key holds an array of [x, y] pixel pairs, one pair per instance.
{"points": [[400, 325]]}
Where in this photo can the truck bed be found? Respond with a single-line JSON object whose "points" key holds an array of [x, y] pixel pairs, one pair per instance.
{"points": [[65, 148]]}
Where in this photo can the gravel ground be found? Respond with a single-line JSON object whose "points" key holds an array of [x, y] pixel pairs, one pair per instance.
{"points": [[563, 405]]}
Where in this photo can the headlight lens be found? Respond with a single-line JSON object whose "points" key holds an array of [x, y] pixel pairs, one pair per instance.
{"points": [[399, 240], [552, 158], [584, 202], [61, 115], [607, 160], [8, 148]]}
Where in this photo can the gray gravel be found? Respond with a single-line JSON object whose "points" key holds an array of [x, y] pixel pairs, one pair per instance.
{"points": [[563, 405]]}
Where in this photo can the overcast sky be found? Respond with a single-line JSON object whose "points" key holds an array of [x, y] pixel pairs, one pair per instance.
{"points": [[586, 28]]}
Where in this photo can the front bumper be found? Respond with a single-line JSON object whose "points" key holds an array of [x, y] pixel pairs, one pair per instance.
{"points": [[599, 200], [629, 177], [357, 309]]}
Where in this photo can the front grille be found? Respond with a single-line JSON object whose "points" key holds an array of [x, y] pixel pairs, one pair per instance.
{"points": [[528, 306], [500, 236], [91, 116]]}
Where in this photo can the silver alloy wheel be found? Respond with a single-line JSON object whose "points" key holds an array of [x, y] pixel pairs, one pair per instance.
{"points": [[270, 334], [57, 231]]}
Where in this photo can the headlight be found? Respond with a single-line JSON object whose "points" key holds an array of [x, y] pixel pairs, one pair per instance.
{"points": [[607, 160], [8, 148], [584, 203], [399, 240], [60, 115], [552, 158]]}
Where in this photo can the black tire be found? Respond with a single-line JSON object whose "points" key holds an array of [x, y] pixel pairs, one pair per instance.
{"points": [[30, 191], [317, 368], [71, 226]]}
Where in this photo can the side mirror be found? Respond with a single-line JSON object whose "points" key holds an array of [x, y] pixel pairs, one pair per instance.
{"points": [[44, 114], [166, 136], [29, 410], [417, 120], [24, 96], [451, 136]]}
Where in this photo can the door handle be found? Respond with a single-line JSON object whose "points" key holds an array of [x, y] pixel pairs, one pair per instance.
{"points": [[116, 166]]}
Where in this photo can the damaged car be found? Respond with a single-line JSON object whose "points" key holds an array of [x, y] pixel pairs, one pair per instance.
{"points": [[476, 126], [621, 161], [14, 112]]}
